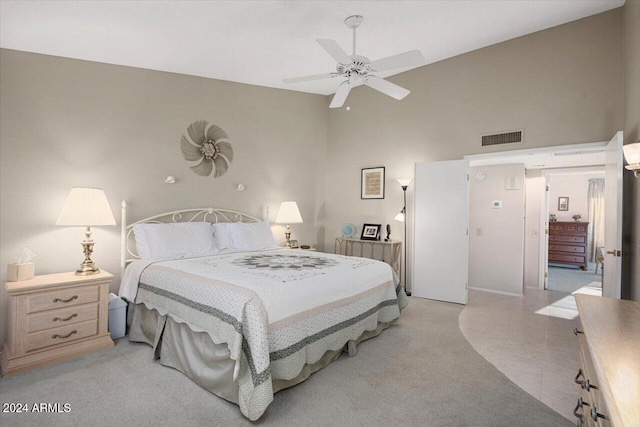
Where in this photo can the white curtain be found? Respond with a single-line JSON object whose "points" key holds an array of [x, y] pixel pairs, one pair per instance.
{"points": [[595, 202]]}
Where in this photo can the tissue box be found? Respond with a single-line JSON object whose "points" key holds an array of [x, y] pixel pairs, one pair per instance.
{"points": [[18, 272]]}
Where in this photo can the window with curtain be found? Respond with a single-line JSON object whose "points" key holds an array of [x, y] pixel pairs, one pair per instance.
{"points": [[595, 202]]}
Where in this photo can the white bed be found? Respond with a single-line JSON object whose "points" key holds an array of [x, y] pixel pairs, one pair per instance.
{"points": [[245, 324]]}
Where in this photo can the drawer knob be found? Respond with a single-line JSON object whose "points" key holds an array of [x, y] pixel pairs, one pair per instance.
{"points": [[65, 300], [64, 336], [56, 319], [576, 332]]}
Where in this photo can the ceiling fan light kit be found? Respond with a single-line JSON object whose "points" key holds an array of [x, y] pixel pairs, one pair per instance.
{"points": [[354, 69]]}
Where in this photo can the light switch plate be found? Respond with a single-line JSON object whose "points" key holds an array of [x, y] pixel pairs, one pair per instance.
{"points": [[496, 204]]}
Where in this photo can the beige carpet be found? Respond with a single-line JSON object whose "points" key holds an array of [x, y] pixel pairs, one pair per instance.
{"points": [[420, 372]]}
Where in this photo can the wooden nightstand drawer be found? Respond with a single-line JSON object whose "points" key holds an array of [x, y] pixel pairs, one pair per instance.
{"points": [[60, 335], [62, 298], [57, 318]]}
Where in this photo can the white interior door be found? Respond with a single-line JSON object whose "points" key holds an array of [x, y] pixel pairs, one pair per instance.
{"points": [[441, 221], [612, 272]]}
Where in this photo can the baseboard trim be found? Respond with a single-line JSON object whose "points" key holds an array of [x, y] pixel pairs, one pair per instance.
{"points": [[511, 294]]}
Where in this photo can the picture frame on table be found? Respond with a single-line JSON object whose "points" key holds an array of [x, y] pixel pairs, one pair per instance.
{"points": [[372, 183], [563, 203], [294, 244], [370, 231]]}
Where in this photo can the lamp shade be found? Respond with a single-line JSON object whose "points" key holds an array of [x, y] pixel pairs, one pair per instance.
{"points": [[399, 217], [86, 207], [289, 213], [632, 153], [404, 182]]}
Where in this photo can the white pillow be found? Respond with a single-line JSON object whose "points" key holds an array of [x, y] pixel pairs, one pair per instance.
{"points": [[170, 241], [251, 236], [221, 233]]}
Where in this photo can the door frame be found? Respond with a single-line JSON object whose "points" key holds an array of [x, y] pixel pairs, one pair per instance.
{"points": [[563, 150]]}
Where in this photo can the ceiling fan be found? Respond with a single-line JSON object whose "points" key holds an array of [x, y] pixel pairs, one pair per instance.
{"points": [[359, 69]]}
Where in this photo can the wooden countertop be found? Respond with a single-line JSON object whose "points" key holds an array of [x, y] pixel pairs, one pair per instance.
{"points": [[612, 331]]}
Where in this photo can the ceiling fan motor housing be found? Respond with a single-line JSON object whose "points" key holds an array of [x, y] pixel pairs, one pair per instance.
{"points": [[358, 68]]}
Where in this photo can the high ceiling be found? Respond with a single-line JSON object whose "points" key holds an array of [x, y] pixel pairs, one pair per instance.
{"points": [[262, 42]]}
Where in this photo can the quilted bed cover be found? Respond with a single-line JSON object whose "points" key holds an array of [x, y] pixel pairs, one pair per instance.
{"points": [[277, 310]]}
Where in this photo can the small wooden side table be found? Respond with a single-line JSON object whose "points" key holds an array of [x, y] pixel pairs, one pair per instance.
{"points": [[55, 317]]}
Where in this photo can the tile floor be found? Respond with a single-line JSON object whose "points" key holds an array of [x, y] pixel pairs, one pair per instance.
{"points": [[529, 339]]}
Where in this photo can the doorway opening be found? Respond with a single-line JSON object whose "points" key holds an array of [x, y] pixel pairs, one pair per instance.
{"points": [[554, 250], [575, 244]]}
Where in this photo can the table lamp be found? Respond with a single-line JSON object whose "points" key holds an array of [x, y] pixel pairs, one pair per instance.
{"points": [[86, 207], [632, 154], [288, 214]]}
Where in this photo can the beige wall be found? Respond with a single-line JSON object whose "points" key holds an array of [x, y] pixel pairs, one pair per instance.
{"points": [[69, 123], [496, 236], [574, 186], [562, 85], [631, 58]]}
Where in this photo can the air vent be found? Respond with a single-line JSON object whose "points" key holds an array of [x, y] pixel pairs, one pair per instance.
{"points": [[503, 138]]}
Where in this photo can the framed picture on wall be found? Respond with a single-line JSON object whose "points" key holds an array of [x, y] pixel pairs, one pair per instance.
{"points": [[372, 183], [370, 231], [563, 203]]}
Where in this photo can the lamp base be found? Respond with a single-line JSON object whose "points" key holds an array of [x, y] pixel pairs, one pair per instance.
{"points": [[87, 267], [287, 235], [87, 271]]}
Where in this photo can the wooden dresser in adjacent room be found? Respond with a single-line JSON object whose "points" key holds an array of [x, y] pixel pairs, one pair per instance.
{"points": [[568, 243]]}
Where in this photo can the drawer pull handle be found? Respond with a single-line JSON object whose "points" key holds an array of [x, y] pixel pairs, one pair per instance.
{"points": [[65, 336], [595, 414], [65, 300], [581, 403], [56, 319], [577, 381], [576, 332], [588, 386]]}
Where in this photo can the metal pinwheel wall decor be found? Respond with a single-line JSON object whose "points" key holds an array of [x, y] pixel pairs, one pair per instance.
{"points": [[207, 146]]}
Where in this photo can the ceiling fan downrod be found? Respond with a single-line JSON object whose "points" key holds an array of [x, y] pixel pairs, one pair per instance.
{"points": [[354, 22]]}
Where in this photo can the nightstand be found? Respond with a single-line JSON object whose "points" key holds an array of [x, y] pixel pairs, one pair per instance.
{"points": [[55, 317]]}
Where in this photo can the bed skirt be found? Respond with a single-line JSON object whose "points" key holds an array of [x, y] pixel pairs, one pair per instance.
{"points": [[209, 364]]}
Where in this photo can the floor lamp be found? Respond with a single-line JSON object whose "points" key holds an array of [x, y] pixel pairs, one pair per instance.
{"points": [[402, 216]]}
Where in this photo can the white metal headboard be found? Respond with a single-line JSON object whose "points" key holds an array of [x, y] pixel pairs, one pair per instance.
{"points": [[212, 215]]}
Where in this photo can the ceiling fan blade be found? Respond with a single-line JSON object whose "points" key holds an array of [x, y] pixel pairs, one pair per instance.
{"points": [[309, 78], [407, 59], [386, 87], [333, 48], [341, 95]]}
